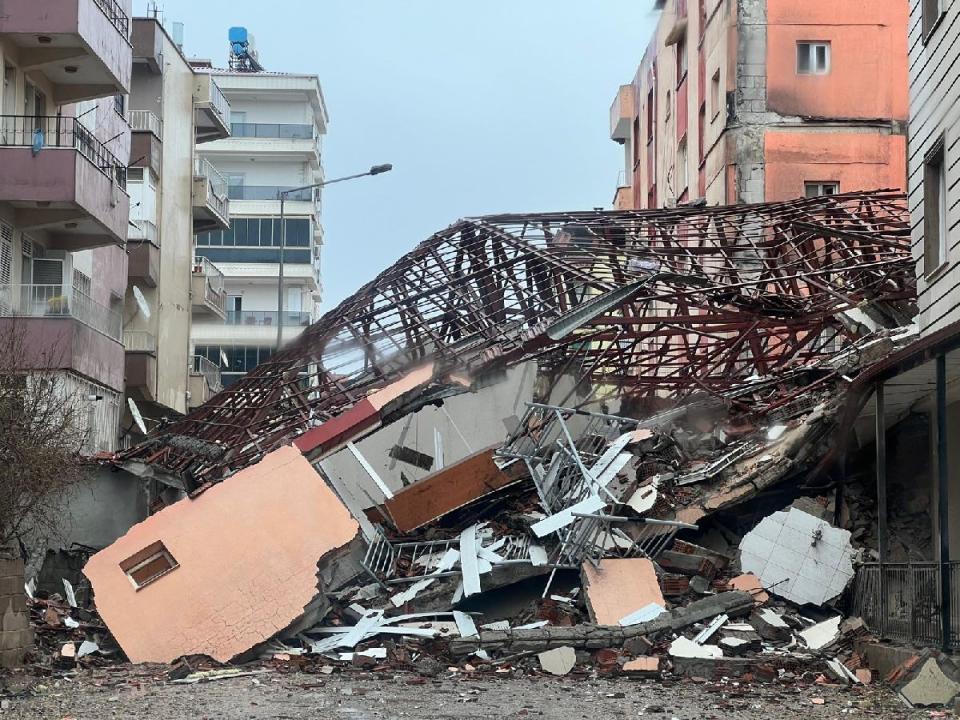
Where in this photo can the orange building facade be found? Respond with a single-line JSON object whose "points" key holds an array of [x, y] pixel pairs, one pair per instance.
{"points": [[764, 100]]}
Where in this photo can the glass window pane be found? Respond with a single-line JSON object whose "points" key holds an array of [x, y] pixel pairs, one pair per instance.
{"points": [[239, 227], [821, 58], [277, 230], [253, 231], [803, 57]]}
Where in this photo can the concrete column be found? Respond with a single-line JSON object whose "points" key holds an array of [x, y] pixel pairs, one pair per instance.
{"points": [[16, 637]]}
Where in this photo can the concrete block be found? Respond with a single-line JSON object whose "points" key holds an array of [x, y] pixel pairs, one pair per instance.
{"points": [[619, 587]]}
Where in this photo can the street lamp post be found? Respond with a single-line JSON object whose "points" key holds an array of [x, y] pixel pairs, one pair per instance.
{"points": [[282, 196]]}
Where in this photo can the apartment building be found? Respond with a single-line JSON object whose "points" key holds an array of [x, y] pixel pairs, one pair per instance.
{"points": [[174, 193], [764, 100], [278, 121], [64, 146]]}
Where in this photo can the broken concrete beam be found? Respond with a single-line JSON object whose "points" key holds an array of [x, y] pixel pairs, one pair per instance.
{"points": [[595, 637], [619, 587], [446, 490], [687, 564], [225, 571], [763, 669]]}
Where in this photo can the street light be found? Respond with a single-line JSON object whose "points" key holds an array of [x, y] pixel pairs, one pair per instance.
{"points": [[282, 196]]}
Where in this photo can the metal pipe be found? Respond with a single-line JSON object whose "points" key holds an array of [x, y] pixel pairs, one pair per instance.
{"points": [[881, 462], [943, 508]]}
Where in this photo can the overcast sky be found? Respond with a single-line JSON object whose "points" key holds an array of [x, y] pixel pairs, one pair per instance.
{"points": [[482, 107]]}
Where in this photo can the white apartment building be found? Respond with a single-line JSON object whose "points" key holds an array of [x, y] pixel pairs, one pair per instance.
{"points": [[277, 123]]}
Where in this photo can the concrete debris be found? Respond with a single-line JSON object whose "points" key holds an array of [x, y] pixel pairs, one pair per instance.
{"points": [[770, 626], [558, 661], [928, 685], [617, 588], [822, 634], [682, 647]]}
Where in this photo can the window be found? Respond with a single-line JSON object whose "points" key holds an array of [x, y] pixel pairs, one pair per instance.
{"points": [[813, 189], [651, 116], [149, 565], [682, 167], [681, 60], [666, 110], [932, 12], [934, 209], [235, 303], [120, 104], [715, 95], [134, 175], [813, 58], [6, 252]]}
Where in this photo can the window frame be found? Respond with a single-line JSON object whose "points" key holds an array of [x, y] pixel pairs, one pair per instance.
{"points": [[930, 18], [715, 95], [812, 46], [143, 558], [935, 193], [820, 185]]}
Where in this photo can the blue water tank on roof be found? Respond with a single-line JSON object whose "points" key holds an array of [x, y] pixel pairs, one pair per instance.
{"points": [[238, 36]]}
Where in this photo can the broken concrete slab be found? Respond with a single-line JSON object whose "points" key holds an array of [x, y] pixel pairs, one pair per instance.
{"points": [[822, 634], [929, 685], [558, 661], [219, 573], [799, 557], [687, 564], [619, 587], [685, 648], [770, 626]]}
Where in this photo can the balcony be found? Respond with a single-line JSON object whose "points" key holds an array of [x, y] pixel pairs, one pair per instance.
{"points": [[282, 140], [140, 363], [211, 109], [146, 140], [209, 295], [205, 381], [267, 318], [267, 192], [71, 186], [143, 253], [211, 208], [622, 112], [81, 46], [63, 328]]}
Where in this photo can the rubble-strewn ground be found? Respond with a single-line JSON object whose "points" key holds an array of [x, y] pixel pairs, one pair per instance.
{"points": [[374, 695]]}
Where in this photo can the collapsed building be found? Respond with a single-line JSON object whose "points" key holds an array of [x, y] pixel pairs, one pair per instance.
{"points": [[536, 420]]}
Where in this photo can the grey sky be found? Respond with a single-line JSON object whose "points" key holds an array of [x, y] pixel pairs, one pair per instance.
{"points": [[482, 107]]}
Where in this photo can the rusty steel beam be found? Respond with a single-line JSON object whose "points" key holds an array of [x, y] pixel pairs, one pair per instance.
{"points": [[729, 292]]}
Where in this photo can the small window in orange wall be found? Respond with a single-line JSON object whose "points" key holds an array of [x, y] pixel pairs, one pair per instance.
{"points": [[149, 565]]}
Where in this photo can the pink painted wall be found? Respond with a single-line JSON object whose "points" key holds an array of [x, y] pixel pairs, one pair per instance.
{"points": [[868, 68], [247, 550], [858, 161]]}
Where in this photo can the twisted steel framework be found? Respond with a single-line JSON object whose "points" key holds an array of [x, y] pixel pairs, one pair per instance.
{"points": [[657, 302]]}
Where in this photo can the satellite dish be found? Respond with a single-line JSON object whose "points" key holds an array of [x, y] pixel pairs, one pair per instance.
{"points": [[141, 302], [137, 417], [223, 359]]}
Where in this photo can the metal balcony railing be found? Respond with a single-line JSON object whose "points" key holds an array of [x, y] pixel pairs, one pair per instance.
{"points": [[266, 192], [144, 230], [60, 301], [217, 184], [285, 131], [144, 120], [116, 15], [219, 102], [210, 372], [139, 341], [56, 131], [214, 292], [261, 318]]}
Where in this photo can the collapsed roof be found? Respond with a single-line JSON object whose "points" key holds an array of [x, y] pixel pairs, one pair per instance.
{"points": [[641, 304]]}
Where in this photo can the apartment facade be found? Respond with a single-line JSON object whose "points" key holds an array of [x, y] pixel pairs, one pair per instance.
{"points": [[278, 121], [764, 100], [173, 195], [65, 67]]}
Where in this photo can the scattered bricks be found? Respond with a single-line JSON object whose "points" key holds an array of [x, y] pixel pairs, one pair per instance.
{"points": [[770, 626], [864, 675], [685, 564], [674, 585], [901, 670], [765, 672], [688, 548]]}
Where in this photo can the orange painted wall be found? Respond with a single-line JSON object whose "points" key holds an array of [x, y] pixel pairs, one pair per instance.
{"points": [[868, 68], [858, 161], [248, 551]]}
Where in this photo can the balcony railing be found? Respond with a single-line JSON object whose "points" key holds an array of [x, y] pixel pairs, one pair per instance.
{"points": [[266, 192], [143, 230], [211, 372], [262, 318], [146, 121], [139, 341], [46, 131], [60, 301], [284, 131], [203, 168], [116, 15], [214, 293], [219, 102]]}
